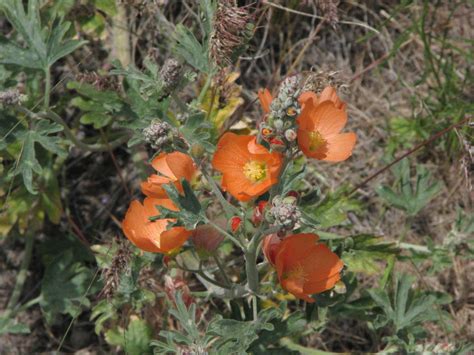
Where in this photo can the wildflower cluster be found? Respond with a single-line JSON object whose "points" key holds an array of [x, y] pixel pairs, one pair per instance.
{"points": [[252, 167]]}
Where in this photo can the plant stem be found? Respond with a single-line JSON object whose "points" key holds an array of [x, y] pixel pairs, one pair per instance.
{"points": [[229, 209], [205, 88], [70, 135], [255, 309], [222, 270], [251, 269], [22, 274], [226, 234], [47, 87]]}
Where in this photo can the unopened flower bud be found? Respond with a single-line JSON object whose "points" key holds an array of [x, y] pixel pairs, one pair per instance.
{"points": [[235, 223], [290, 135], [340, 287], [166, 260], [206, 239], [292, 111], [278, 123], [277, 144], [285, 212], [11, 97], [258, 214], [158, 134], [286, 103], [293, 193], [170, 75], [266, 132], [197, 150]]}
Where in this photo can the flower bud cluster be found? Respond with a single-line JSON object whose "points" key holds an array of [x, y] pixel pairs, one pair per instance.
{"points": [[284, 213], [158, 134], [170, 75], [279, 127], [11, 97]]}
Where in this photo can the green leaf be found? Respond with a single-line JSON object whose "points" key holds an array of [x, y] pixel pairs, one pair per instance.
{"points": [[28, 163], [51, 197], [43, 47], [98, 107], [10, 326], [407, 196], [367, 252], [331, 211], [290, 345], [134, 340], [65, 286], [188, 47], [403, 307], [235, 337]]}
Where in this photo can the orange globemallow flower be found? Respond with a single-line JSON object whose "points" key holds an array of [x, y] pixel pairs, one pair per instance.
{"points": [[319, 127], [265, 98], [303, 265], [171, 167], [328, 94], [152, 236], [248, 168]]}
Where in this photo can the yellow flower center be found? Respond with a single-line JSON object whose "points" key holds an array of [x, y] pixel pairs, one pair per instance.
{"points": [[316, 140], [255, 170], [296, 273]]}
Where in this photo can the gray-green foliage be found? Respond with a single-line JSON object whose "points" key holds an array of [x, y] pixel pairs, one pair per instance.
{"points": [[218, 337], [98, 107], [28, 164], [44, 44], [407, 196], [404, 309], [67, 280], [135, 340]]}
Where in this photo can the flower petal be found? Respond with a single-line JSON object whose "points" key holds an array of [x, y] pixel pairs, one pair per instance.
{"points": [[340, 146], [265, 98]]}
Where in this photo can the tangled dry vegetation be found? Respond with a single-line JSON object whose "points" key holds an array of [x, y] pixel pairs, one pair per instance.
{"points": [[405, 70]]}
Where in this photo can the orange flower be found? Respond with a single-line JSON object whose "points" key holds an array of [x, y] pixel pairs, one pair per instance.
{"points": [[265, 98], [328, 94], [248, 168], [318, 132], [305, 267], [152, 236], [171, 167]]}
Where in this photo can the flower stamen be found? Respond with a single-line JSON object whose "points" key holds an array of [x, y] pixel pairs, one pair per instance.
{"points": [[255, 170], [316, 141]]}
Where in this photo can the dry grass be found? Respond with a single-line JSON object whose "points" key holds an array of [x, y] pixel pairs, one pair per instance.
{"points": [[382, 84]]}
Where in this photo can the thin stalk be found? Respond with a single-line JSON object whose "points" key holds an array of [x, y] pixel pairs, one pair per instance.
{"points": [[222, 270], [22, 274], [255, 309], [251, 269], [47, 87], [70, 135], [225, 233], [205, 88], [229, 209]]}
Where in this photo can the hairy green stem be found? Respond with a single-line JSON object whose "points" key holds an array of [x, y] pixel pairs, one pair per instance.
{"points": [[222, 270], [22, 274], [225, 233], [47, 87], [251, 269], [70, 135], [229, 209]]}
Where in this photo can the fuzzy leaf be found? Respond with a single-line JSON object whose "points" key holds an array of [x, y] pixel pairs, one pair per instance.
{"points": [[28, 163], [409, 197], [134, 340]]}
